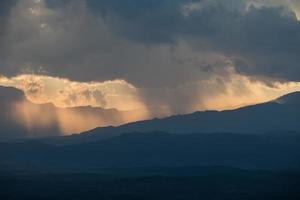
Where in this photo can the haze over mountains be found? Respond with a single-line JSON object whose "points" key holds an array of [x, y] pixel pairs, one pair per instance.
{"points": [[254, 145], [281, 114], [263, 136], [20, 118], [150, 99]]}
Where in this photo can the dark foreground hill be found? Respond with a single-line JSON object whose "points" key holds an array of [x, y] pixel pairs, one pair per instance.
{"points": [[164, 183], [268, 151], [138, 162]]}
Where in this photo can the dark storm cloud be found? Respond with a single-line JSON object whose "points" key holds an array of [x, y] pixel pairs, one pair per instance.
{"points": [[152, 43], [271, 46], [5, 7], [145, 20], [262, 41]]}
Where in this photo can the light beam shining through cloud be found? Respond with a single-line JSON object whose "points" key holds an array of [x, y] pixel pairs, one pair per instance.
{"points": [[158, 57]]}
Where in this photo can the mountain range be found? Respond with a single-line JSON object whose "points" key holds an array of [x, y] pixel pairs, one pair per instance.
{"points": [[21, 118], [262, 136], [281, 114], [280, 151]]}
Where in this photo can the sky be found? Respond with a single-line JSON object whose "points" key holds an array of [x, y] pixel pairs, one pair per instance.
{"points": [[164, 56]]}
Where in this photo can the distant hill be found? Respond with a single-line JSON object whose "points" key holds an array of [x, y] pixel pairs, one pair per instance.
{"points": [[20, 118], [158, 149], [291, 98], [279, 114], [263, 136]]}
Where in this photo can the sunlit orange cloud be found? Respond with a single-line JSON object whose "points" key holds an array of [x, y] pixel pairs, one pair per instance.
{"points": [[216, 93], [236, 91], [65, 93], [241, 91], [69, 116], [39, 119]]}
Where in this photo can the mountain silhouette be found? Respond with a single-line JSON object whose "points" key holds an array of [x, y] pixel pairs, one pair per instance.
{"points": [[292, 98], [158, 149], [281, 114], [262, 136]]}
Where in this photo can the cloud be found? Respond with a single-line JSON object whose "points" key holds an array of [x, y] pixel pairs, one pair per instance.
{"points": [[263, 35], [217, 93], [46, 119], [227, 92], [20, 117], [6, 6], [116, 94], [167, 50], [139, 40]]}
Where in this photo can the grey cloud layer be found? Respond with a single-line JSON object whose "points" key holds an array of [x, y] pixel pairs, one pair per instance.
{"points": [[263, 40], [151, 43]]}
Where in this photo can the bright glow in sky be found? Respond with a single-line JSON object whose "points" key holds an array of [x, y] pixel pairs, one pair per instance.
{"points": [[236, 92], [152, 61], [65, 93]]}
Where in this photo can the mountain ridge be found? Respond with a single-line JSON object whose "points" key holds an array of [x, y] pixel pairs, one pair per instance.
{"points": [[279, 114], [290, 98], [259, 118], [159, 149]]}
